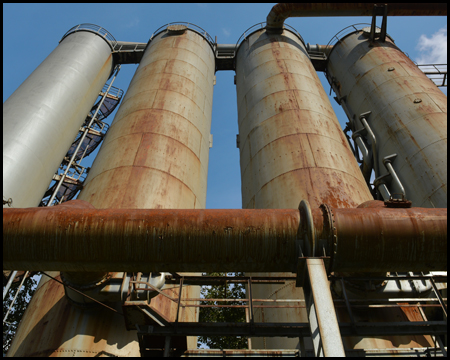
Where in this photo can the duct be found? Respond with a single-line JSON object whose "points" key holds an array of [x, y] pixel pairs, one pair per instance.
{"points": [[356, 240], [280, 12]]}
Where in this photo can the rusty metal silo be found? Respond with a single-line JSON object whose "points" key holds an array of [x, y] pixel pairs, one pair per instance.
{"points": [[155, 155], [397, 110], [291, 147]]}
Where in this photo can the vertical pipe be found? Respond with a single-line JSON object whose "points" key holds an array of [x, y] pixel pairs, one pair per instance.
{"points": [[408, 113], [42, 117], [292, 148]]}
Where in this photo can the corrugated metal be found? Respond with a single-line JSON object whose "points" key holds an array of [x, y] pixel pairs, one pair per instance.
{"points": [[43, 116], [291, 148], [409, 113]]}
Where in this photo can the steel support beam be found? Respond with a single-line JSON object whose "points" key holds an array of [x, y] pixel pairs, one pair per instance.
{"points": [[325, 333]]}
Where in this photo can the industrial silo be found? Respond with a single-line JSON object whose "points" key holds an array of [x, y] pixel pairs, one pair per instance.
{"points": [[292, 148], [155, 156], [400, 114], [43, 116]]}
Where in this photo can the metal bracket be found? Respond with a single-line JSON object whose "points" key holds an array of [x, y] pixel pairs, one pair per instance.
{"points": [[379, 10], [308, 237], [387, 162]]}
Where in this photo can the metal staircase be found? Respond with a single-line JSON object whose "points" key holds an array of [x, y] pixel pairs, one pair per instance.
{"points": [[69, 178]]}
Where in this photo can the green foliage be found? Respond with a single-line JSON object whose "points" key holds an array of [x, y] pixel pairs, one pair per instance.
{"points": [[18, 309], [211, 314]]}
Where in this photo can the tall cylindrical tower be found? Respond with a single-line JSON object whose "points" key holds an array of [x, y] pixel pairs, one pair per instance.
{"points": [[43, 116], [408, 113], [291, 148], [155, 155]]}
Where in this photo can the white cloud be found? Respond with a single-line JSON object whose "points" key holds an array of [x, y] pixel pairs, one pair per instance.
{"points": [[433, 49], [226, 32]]}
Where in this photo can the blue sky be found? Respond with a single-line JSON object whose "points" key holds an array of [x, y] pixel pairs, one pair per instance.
{"points": [[32, 31]]}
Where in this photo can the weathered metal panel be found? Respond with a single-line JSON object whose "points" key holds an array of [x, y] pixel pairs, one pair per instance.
{"points": [[43, 116], [156, 152], [291, 148], [160, 135], [409, 113], [103, 335]]}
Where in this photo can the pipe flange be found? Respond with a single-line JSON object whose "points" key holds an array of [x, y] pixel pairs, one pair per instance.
{"points": [[306, 215], [333, 238]]}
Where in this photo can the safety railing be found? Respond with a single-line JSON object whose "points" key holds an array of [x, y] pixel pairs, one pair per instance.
{"points": [[95, 29], [347, 304], [262, 25], [91, 134], [437, 73], [191, 26]]}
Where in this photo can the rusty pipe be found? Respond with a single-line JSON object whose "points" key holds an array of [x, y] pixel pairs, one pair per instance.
{"points": [[282, 11], [76, 237], [368, 238]]}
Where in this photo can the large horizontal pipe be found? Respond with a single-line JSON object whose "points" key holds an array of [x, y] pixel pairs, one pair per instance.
{"points": [[282, 11], [76, 237]]}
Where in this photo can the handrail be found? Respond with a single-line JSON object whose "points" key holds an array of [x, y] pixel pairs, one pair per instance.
{"points": [[102, 32], [190, 26], [262, 25]]}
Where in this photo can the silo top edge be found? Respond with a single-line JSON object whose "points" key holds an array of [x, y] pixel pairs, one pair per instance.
{"points": [[349, 30], [189, 26], [98, 30], [262, 26]]}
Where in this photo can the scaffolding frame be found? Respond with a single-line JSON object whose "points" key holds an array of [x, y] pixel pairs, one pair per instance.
{"points": [[164, 338]]}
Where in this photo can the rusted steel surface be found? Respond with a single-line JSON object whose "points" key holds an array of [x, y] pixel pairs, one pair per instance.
{"points": [[154, 156], [104, 333], [408, 113], [362, 234], [158, 143], [367, 240], [156, 152], [282, 11], [291, 147], [156, 240], [290, 136]]}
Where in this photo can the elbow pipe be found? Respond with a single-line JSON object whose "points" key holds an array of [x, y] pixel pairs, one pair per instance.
{"points": [[282, 11], [83, 239]]}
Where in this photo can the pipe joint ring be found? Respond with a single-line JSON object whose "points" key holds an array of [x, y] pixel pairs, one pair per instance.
{"points": [[307, 234]]}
